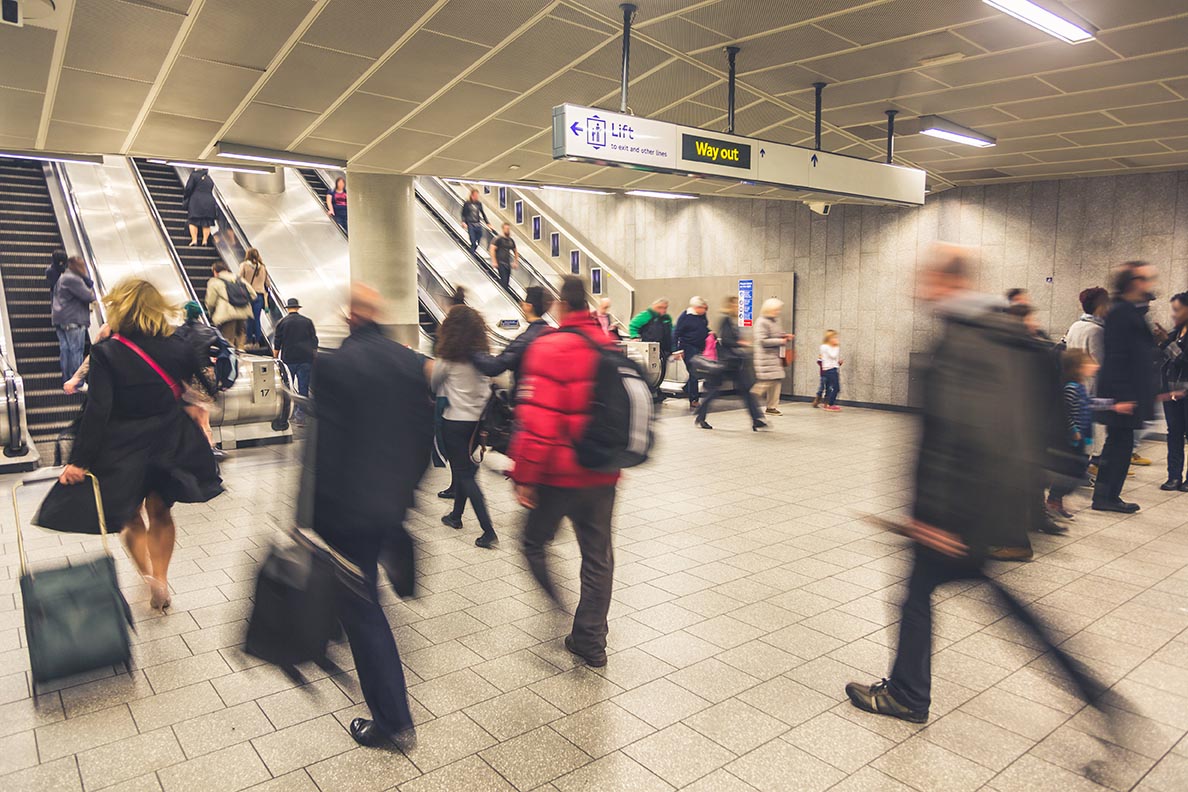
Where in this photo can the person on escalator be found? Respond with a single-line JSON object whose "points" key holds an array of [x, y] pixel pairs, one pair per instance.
{"points": [[455, 377], [254, 273], [336, 203], [654, 324], [296, 343], [229, 303], [504, 256], [199, 203], [537, 303], [474, 219], [71, 314], [55, 269]]}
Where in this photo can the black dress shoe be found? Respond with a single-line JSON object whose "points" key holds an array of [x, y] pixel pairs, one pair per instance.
{"points": [[593, 662], [1171, 485], [367, 733], [1121, 507], [701, 424], [452, 521], [446, 494], [486, 540], [757, 425], [1184, 487], [877, 699]]}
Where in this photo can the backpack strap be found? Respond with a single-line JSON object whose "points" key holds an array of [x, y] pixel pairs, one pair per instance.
{"points": [[174, 386]]}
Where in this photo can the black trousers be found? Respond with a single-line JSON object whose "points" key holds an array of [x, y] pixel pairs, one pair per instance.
{"points": [[504, 271], [911, 676], [377, 662], [590, 510], [744, 380], [693, 384], [1176, 413], [1113, 465], [463, 470]]}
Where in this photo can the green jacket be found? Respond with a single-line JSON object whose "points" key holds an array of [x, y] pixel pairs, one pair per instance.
{"points": [[651, 326]]}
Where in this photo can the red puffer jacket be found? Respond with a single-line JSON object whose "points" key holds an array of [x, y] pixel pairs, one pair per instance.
{"points": [[553, 406]]}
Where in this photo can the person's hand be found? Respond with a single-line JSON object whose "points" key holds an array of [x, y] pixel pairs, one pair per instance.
{"points": [[1159, 332], [330, 212], [1125, 408], [72, 474], [789, 336], [71, 385], [104, 331], [526, 495], [1173, 396], [678, 355], [935, 539]]}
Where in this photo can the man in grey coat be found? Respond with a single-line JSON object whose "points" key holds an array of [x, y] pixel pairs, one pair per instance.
{"points": [[71, 314]]}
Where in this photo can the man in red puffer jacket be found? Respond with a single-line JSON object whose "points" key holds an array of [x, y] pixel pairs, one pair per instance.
{"points": [[553, 407]]}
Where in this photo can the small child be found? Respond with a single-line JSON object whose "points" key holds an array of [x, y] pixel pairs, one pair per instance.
{"points": [[1077, 366], [830, 362]]}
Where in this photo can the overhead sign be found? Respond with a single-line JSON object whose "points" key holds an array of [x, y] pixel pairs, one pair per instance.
{"points": [[605, 138]]}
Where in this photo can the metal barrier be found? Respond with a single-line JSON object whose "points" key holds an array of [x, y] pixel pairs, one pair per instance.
{"points": [[256, 407]]}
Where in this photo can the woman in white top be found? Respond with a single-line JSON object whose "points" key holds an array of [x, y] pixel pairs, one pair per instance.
{"points": [[830, 360], [461, 335]]}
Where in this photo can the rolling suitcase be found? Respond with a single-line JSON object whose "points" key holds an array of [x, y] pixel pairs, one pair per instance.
{"points": [[76, 618]]}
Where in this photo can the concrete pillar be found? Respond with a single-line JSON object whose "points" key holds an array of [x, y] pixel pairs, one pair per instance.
{"points": [[265, 183], [383, 246]]}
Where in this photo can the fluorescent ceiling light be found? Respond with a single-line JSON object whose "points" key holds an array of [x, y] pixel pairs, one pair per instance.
{"points": [[654, 194], [575, 189], [52, 156], [294, 159], [216, 166], [464, 182], [938, 127], [1037, 16]]}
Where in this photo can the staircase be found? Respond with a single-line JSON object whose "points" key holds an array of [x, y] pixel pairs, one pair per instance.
{"points": [[166, 191], [28, 237]]}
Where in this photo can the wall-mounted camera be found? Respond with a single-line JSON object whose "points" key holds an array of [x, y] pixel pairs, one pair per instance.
{"points": [[819, 207]]}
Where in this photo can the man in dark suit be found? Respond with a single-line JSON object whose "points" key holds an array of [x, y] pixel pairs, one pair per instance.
{"points": [[374, 430], [1128, 377]]}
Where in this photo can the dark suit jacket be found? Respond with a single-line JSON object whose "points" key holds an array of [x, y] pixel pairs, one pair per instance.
{"points": [[374, 416], [1129, 372]]}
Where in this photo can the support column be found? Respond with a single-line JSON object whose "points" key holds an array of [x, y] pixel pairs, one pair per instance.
{"points": [[383, 246]]}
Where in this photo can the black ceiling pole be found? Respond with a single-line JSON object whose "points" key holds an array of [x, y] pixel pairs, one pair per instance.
{"points": [[891, 134], [820, 86], [628, 15], [731, 53]]}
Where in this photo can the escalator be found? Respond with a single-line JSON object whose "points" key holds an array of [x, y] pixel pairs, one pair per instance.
{"points": [[166, 191], [29, 234]]}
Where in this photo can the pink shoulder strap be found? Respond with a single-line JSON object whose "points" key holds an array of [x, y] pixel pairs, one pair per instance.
{"points": [[173, 384]]}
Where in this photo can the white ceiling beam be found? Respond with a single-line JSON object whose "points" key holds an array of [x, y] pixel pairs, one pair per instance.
{"points": [[55, 72]]}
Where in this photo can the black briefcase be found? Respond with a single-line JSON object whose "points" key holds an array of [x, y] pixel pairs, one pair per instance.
{"points": [[76, 618]]}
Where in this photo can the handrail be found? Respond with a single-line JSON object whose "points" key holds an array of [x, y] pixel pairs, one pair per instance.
{"points": [[159, 222], [57, 170]]}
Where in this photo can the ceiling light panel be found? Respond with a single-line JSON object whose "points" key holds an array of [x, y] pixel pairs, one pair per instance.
{"points": [[942, 128], [295, 159], [1059, 25]]}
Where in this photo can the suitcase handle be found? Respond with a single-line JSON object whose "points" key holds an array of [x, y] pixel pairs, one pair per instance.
{"points": [[37, 479]]}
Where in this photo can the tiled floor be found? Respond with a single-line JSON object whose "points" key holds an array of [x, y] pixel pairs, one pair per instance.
{"points": [[748, 592]]}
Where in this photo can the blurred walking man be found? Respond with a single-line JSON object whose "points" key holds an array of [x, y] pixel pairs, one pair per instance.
{"points": [[554, 406], [374, 417], [982, 447]]}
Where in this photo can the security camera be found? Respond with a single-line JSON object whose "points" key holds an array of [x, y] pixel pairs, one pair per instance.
{"points": [[819, 207]]}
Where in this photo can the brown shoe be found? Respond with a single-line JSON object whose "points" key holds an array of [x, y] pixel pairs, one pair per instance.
{"points": [[1010, 553], [816, 401], [878, 700]]}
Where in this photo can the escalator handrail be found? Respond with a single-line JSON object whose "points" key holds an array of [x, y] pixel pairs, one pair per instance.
{"points": [[57, 171], [159, 222]]}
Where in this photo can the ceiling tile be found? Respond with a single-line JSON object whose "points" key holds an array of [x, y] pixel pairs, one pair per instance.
{"points": [[363, 117], [65, 136], [1050, 126], [444, 167], [759, 116], [685, 36], [488, 22], [580, 17], [489, 141], [1145, 39], [269, 126], [364, 27], [514, 165], [204, 89], [1164, 111], [1085, 101], [244, 33], [1100, 152], [20, 112], [118, 38], [402, 148], [608, 61], [1002, 32], [1110, 13], [311, 78], [536, 108], [98, 100], [540, 52], [173, 136], [739, 20], [778, 48], [1155, 67], [668, 84], [978, 96], [692, 114], [459, 108], [1170, 160], [901, 18], [892, 86], [320, 147], [1020, 63], [25, 55], [1122, 134], [425, 63], [893, 56]]}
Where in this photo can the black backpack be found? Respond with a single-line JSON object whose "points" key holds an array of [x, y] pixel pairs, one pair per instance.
{"points": [[494, 427], [237, 293], [619, 434]]}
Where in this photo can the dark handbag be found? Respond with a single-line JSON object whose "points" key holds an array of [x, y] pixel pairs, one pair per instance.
{"points": [[494, 428], [76, 618]]}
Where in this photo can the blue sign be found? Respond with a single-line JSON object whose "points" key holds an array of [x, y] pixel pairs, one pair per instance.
{"points": [[536, 227], [502, 197], [596, 280], [575, 262], [555, 244], [746, 302], [519, 213], [509, 324]]}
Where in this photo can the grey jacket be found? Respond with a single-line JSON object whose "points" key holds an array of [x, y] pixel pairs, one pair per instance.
{"points": [[72, 301], [769, 342], [466, 388]]}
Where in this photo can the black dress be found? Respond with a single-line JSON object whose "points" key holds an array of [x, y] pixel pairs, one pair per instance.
{"points": [[135, 438], [198, 199]]}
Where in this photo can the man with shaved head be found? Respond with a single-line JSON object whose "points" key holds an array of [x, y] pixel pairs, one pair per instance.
{"points": [[374, 429]]}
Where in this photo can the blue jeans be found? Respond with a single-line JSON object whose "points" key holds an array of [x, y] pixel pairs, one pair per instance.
{"points": [[255, 333], [300, 372], [72, 340], [475, 230], [832, 379]]}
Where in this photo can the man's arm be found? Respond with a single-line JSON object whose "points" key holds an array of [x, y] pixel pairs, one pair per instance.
{"points": [[637, 323], [278, 336]]}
